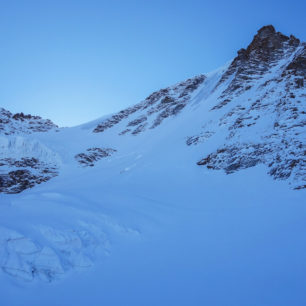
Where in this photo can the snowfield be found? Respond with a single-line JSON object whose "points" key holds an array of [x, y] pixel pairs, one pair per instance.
{"points": [[238, 240], [194, 196]]}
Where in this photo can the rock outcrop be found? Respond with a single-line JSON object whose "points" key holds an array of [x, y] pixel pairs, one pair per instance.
{"points": [[20, 123]]}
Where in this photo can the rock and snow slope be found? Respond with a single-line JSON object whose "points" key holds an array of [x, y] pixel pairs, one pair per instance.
{"points": [[178, 232], [257, 104]]}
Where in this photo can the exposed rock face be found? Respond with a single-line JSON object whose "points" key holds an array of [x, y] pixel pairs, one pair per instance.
{"points": [[262, 110], [267, 43], [23, 124], [29, 172], [93, 155], [167, 102], [297, 66], [281, 161]]}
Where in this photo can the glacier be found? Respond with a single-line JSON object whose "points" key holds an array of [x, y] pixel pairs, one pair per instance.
{"points": [[194, 196]]}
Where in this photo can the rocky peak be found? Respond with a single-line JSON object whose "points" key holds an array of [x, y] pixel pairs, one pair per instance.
{"points": [[266, 31], [267, 40], [263, 86], [21, 123], [267, 48]]}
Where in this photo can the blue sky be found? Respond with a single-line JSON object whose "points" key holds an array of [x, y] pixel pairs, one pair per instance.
{"points": [[74, 61]]}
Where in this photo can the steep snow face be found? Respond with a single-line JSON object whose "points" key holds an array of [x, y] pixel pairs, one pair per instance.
{"points": [[136, 172]]}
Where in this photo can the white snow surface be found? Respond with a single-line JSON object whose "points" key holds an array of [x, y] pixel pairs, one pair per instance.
{"points": [[147, 225]]}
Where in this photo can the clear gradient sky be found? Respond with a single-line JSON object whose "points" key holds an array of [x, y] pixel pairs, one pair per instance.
{"points": [[74, 61]]}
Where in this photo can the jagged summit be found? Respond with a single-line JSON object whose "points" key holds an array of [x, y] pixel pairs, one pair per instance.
{"points": [[266, 31], [266, 50], [267, 41], [266, 46]]}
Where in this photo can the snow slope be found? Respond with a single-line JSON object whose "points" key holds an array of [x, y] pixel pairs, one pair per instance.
{"points": [[134, 213]]}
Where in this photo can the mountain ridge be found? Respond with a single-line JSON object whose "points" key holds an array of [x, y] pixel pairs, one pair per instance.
{"points": [[264, 81]]}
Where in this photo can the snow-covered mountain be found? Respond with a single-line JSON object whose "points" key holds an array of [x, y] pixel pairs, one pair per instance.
{"points": [[259, 99], [254, 106], [70, 196]]}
